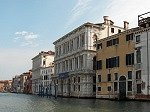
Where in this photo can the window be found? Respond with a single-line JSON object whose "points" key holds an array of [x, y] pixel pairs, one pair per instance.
{"points": [[129, 37], [44, 62], [109, 77], [129, 85], [138, 74], [99, 88], [113, 42], [138, 55], [116, 76], [99, 46], [112, 30], [99, 64], [74, 87], [99, 78], [115, 86], [94, 63], [77, 42], [94, 88], [109, 88], [82, 39], [78, 87], [109, 43], [112, 62], [129, 74], [94, 79], [70, 64], [81, 61], [78, 79], [76, 63], [139, 88], [130, 59], [74, 79], [138, 38], [119, 31]]}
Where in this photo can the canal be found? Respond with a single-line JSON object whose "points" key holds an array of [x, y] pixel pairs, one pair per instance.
{"points": [[10, 102]]}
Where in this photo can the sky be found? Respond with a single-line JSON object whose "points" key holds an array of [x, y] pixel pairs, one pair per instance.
{"points": [[28, 27]]}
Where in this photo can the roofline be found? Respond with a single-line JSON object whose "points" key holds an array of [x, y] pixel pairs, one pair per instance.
{"points": [[85, 24]]}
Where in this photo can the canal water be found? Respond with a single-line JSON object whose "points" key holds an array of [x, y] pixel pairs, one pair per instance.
{"points": [[10, 102]]}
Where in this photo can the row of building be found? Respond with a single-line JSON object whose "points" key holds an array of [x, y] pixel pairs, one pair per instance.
{"points": [[5, 85], [99, 60]]}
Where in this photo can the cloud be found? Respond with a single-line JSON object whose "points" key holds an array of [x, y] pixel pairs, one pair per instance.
{"points": [[80, 8], [120, 10], [26, 38]]}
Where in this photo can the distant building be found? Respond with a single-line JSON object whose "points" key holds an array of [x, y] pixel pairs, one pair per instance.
{"points": [[16, 84], [5, 86], [28, 83], [42, 60], [23, 78], [47, 73], [75, 74]]}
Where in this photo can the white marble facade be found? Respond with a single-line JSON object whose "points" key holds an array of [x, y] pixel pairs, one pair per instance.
{"points": [[74, 55]]}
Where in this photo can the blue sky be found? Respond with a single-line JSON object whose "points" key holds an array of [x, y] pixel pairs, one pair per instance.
{"points": [[30, 26]]}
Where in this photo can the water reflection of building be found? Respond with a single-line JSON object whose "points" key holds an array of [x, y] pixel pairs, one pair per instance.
{"points": [[74, 68]]}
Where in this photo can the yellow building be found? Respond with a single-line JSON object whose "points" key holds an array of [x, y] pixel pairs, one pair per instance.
{"points": [[115, 66]]}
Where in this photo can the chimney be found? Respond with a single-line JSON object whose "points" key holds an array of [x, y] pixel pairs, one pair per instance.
{"points": [[106, 19], [126, 25]]}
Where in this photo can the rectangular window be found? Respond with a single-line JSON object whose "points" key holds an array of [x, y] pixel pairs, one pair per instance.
{"points": [[112, 30], [129, 37], [99, 46], [129, 74], [138, 55], [82, 39], [76, 62], [81, 61], [77, 42], [99, 78], [78, 87], [109, 77], [94, 79], [119, 31], [99, 64], [115, 41], [130, 59], [138, 38], [112, 62], [109, 43], [115, 86], [129, 85], [78, 79], [116, 76], [138, 74], [139, 88], [94, 88], [74, 79], [44, 62], [109, 88], [99, 88], [74, 87]]}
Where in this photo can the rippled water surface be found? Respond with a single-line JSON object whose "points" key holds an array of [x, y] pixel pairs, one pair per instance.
{"points": [[29, 103]]}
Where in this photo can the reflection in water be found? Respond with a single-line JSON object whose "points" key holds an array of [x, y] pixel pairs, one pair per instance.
{"points": [[31, 103]]}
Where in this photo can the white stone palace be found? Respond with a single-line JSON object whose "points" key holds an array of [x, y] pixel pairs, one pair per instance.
{"points": [[75, 58]]}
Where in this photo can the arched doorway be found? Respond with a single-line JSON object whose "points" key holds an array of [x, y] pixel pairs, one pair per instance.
{"points": [[122, 88]]}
